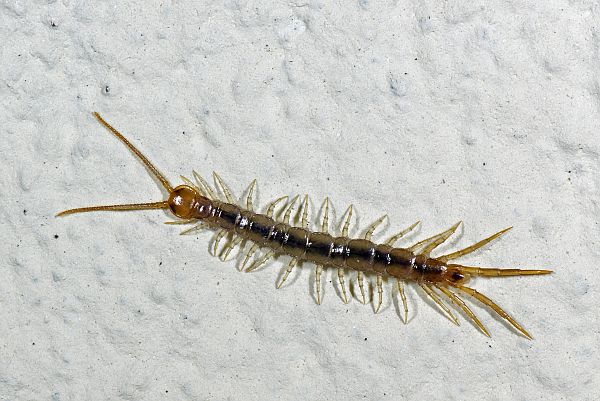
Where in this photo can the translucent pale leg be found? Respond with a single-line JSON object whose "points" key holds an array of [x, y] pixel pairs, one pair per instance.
{"points": [[288, 211], [181, 222], [258, 263], [379, 292], [288, 270], [223, 188], [461, 304], [372, 227], [272, 205], [486, 301], [392, 240], [218, 239], [318, 271], [304, 221], [438, 301], [249, 202], [361, 285], [325, 224], [251, 252], [197, 227], [204, 185], [191, 184], [400, 284], [346, 226], [433, 241], [340, 273], [229, 247]]}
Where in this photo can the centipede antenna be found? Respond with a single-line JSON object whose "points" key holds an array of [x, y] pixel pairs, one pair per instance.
{"points": [[139, 154], [131, 206]]}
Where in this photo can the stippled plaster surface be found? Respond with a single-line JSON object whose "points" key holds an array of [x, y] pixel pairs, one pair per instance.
{"points": [[481, 111]]}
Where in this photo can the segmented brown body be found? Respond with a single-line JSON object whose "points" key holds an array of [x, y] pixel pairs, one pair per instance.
{"points": [[322, 248], [198, 203]]}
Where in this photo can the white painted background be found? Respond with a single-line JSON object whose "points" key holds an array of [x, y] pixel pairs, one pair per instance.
{"points": [[482, 111]]}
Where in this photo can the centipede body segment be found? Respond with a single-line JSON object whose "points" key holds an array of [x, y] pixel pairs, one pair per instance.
{"points": [[197, 204]]}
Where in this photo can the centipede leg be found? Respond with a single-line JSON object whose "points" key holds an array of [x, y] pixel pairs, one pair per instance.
{"points": [[192, 185], [472, 248], [304, 221], [288, 270], [318, 271], [461, 304], [218, 239], [229, 247], [486, 301], [340, 273], [249, 201], [372, 227], [346, 226], [361, 285], [272, 205], [197, 227], [258, 263], [288, 211], [400, 284], [251, 252], [432, 242], [392, 240], [438, 301], [204, 185], [379, 292], [223, 188], [180, 222], [325, 224]]}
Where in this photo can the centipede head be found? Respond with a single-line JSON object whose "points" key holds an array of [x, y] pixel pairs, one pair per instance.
{"points": [[186, 203]]}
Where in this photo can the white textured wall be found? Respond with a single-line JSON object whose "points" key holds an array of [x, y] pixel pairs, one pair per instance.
{"points": [[482, 111]]}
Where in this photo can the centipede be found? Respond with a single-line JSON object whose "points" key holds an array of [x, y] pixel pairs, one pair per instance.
{"points": [[199, 206]]}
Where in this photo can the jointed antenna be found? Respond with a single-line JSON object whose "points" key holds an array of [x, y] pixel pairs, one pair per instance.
{"points": [[132, 206]]}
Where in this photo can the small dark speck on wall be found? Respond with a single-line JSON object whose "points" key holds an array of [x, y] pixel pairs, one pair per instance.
{"points": [[55, 236]]}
